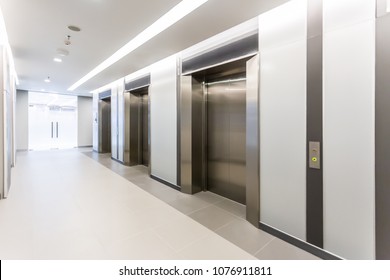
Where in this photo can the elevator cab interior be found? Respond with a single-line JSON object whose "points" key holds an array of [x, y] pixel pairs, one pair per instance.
{"points": [[219, 155], [137, 127]]}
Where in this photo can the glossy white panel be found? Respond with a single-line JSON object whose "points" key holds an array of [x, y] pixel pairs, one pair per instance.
{"points": [[163, 119], [85, 121], [283, 25], [95, 116], [343, 13], [283, 118], [21, 120], [348, 154]]}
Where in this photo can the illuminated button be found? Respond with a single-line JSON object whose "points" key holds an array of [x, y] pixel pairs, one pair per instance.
{"points": [[314, 159]]}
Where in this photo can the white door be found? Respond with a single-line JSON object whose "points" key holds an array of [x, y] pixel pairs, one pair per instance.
{"points": [[52, 121]]}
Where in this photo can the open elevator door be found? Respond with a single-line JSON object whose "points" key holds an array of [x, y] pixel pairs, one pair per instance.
{"points": [[220, 132], [104, 111], [224, 127], [137, 131]]}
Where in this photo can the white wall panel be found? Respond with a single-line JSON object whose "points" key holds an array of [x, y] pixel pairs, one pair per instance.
{"points": [[163, 119], [283, 25], [343, 13], [282, 35], [348, 154], [21, 119], [85, 121]]}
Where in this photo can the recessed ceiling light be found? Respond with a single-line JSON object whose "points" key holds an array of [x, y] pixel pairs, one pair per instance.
{"points": [[62, 52], [57, 59], [171, 17], [47, 80], [74, 28]]}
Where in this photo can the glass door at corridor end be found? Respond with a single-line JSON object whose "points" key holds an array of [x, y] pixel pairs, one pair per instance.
{"points": [[52, 121]]}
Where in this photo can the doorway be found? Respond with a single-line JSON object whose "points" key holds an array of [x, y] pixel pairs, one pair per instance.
{"points": [[223, 90], [137, 131], [52, 121], [219, 132], [105, 125]]}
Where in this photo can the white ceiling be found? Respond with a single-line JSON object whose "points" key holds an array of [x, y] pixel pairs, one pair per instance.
{"points": [[37, 28]]}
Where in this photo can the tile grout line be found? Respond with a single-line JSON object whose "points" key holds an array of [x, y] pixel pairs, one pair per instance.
{"points": [[273, 238]]}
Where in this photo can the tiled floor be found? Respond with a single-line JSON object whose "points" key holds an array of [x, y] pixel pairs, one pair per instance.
{"points": [[223, 216], [66, 205]]}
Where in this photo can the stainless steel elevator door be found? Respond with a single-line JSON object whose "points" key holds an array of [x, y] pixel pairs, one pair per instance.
{"points": [[226, 137], [145, 129], [105, 125], [138, 129]]}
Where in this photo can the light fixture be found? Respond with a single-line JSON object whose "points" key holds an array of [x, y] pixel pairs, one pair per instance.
{"points": [[57, 59], [74, 28], [4, 42], [171, 17], [47, 80]]}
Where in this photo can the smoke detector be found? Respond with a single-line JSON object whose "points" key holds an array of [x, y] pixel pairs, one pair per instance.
{"points": [[67, 41]]}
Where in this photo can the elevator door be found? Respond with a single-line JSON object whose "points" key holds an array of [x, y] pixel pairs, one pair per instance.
{"points": [[145, 129], [138, 128], [105, 125], [226, 137]]}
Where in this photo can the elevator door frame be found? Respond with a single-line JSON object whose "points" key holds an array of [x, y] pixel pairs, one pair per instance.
{"points": [[193, 103]]}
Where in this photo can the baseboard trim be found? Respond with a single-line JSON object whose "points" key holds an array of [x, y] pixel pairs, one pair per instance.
{"points": [[299, 243], [173, 186]]}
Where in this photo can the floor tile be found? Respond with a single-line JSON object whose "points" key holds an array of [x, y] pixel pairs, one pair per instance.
{"points": [[181, 232], [280, 250], [212, 217], [141, 247], [209, 197], [233, 207], [245, 235], [188, 205], [213, 247]]}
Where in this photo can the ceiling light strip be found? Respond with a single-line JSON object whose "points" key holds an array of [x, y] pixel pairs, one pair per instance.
{"points": [[174, 15], [4, 41]]}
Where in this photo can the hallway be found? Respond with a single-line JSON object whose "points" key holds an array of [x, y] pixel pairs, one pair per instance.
{"points": [[68, 205]]}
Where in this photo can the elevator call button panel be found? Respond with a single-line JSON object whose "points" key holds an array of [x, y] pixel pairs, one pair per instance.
{"points": [[314, 155]]}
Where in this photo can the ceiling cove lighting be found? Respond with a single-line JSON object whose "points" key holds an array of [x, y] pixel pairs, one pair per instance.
{"points": [[171, 17], [4, 42]]}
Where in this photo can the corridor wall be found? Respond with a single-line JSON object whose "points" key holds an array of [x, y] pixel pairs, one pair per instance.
{"points": [[318, 77]]}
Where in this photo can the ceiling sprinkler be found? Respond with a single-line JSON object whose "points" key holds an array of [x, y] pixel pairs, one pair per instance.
{"points": [[67, 41]]}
